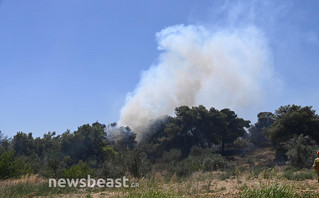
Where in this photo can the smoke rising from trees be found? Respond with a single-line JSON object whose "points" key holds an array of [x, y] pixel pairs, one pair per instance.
{"points": [[226, 68]]}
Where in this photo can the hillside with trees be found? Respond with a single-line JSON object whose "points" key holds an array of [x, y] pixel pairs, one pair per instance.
{"points": [[196, 139]]}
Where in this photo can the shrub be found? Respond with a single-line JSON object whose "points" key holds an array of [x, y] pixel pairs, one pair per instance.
{"points": [[171, 155], [33, 162], [293, 174], [137, 163], [12, 167], [53, 167], [242, 143], [205, 162], [113, 167], [269, 173], [29, 189], [134, 162], [81, 170], [186, 166], [300, 151], [198, 151], [215, 162]]}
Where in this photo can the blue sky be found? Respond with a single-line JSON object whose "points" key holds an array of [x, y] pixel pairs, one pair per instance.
{"points": [[67, 63]]}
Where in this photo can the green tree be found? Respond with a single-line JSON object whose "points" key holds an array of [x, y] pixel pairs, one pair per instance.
{"points": [[200, 127], [257, 131], [292, 120], [301, 151], [191, 126], [234, 127], [80, 170], [1, 137], [23, 144], [122, 138], [85, 144], [10, 166]]}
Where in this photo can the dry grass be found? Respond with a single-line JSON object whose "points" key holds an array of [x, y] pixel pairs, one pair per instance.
{"points": [[229, 183], [29, 179], [199, 184]]}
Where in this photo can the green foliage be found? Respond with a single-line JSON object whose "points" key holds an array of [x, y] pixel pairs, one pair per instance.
{"points": [[23, 144], [299, 175], [171, 155], [121, 138], [81, 170], [137, 162], [229, 173], [242, 143], [257, 132], [134, 162], [233, 127], [53, 167], [292, 120], [151, 193], [190, 127], [11, 167], [33, 162], [2, 137], [269, 191], [301, 151], [86, 143], [114, 167], [185, 143], [269, 173], [32, 190], [197, 126], [204, 162]]}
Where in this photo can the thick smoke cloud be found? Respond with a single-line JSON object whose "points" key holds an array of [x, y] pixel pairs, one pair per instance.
{"points": [[225, 68]]}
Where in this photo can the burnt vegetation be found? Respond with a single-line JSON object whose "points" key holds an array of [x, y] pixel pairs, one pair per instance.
{"points": [[195, 139]]}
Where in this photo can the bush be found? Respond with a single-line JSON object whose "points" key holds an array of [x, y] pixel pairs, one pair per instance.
{"points": [[293, 174], [205, 162], [11, 167], [257, 136], [33, 162], [53, 167], [81, 170], [134, 162], [137, 163], [300, 151], [215, 162], [242, 143], [187, 166], [171, 155], [198, 151], [113, 167]]}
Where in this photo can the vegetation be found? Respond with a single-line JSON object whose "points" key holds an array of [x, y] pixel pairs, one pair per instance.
{"points": [[266, 191], [195, 140]]}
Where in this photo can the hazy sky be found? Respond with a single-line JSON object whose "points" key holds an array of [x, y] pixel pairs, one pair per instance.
{"points": [[68, 63]]}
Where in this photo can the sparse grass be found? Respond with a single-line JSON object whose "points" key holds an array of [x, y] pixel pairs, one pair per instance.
{"points": [[299, 175], [224, 175], [270, 173], [30, 190], [243, 180], [151, 193], [269, 191]]}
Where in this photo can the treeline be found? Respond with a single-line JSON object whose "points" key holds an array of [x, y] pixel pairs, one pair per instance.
{"points": [[195, 139]]}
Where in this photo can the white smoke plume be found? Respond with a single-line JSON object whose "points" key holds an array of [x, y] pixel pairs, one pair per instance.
{"points": [[226, 68]]}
